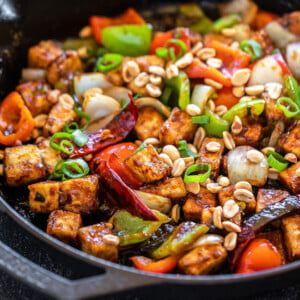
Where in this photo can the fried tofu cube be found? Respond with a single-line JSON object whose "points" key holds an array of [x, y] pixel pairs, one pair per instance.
{"points": [[23, 165], [290, 141], [273, 113], [195, 205], [80, 195], [145, 61], [177, 127], [148, 123], [43, 54], [167, 187], [290, 179], [212, 158], [147, 165], [266, 197], [49, 155], [92, 242], [64, 226], [291, 231], [44, 196], [60, 113], [203, 260], [35, 96]]}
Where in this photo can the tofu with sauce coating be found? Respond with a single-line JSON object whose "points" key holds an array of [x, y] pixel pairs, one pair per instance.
{"points": [[23, 165], [64, 226], [290, 179], [44, 196], [290, 141], [177, 127], [203, 260], [147, 165], [291, 231], [91, 241], [266, 197]]}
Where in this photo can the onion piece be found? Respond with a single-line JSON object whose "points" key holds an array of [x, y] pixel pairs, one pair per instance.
{"points": [[241, 169], [156, 202], [33, 74], [293, 58], [118, 93], [201, 94], [148, 101], [209, 239], [84, 82], [98, 124]]}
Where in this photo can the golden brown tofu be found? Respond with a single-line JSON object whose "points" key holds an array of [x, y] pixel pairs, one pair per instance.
{"points": [[195, 205], [203, 260], [250, 135], [64, 226], [273, 113], [44, 196], [137, 89], [148, 123], [35, 96], [290, 141], [147, 165], [80, 195], [290, 179], [167, 187], [60, 113], [146, 61], [23, 165], [50, 156], [291, 231], [266, 197], [43, 54], [275, 237], [212, 158], [91, 241], [64, 67], [177, 127], [115, 76]]}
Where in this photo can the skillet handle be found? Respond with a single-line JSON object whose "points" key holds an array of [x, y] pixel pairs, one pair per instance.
{"points": [[52, 284]]}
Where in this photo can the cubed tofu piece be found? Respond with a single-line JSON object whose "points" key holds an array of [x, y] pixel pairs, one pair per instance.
{"points": [[50, 156], [64, 226], [115, 76], [147, 165], [290, 141], [35, 96], [275, 237], [23, 165], [266, 197], [167, 187], [250, 135], [44, 196], [273, 113], [290, 179], [203, 260], [212, 158], [195, 205], [291, 231], [80, 195], [148, 123], [65, 66], [91, 241], [43, 54], [60, 113], [177, 127], [146, 61]]}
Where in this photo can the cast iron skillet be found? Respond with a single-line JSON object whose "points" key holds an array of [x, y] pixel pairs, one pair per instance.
{"points": [[23, 23]]}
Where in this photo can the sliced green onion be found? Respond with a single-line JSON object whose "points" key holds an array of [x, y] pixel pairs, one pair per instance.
{"points": [[57, 173], [277, 161], [181, 45], [292, 87], [84, 115], [60, 147], [253, 48], [172, 54], [185, 151], [226, 22], [165, 97], [66, 146], [79, 138], [69, 128], [291, 109], [162, 52], [141, 147], [124, 103], [108, 62], [200, 167], [275, 51], [201, 120], [137, 96]]}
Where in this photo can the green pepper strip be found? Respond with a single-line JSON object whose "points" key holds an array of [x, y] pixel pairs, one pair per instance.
{"points": [[200, 120], [185, 151], [200, 167], [180, 44], [253, 48], [290, 111], [141, 147], [226, 22], [292, 87], [162, 52], [216, 125], [108, 62]]}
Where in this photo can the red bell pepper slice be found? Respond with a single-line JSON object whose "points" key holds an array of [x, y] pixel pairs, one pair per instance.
{"points": [[118, 128], [130, 16], [125, 197], [263, 18], [16, 121], [165, 265], [226, 97]]}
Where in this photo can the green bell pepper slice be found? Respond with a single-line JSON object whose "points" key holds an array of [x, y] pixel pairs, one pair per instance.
{"points": [[131, 40], [226, 22], [292, 87], [180, 86], [241, 109], [75, 44], [133, 230], [181, 239], [216, 125]]}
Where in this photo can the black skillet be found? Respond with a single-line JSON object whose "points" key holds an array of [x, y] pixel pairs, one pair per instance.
{"points": [[23, 23]]}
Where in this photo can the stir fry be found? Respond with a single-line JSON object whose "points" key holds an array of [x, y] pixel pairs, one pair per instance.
{"points": [[172, 150]]}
